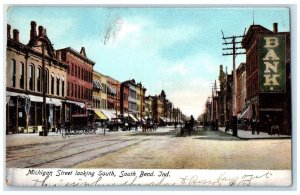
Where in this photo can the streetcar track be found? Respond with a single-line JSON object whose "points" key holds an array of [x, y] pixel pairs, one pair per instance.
{"points": [[92, 157]]}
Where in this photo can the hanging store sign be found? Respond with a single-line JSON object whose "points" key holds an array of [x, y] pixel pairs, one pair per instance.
{"points": [[272, 63]]}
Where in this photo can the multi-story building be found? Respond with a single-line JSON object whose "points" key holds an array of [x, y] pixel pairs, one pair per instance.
{"points": [[113, 95], [132, 99], [79, 81], [25, 81], [158, 108], [241, 88], [268, 77], [99, 96], [140, 92], [148, 107], [124, 99]]}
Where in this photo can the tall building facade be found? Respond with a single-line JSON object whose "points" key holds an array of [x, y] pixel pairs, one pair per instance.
{"points": [[79, 82], [268, 76], [25, 78]]}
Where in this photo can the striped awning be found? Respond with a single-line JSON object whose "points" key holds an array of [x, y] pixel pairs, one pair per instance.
{"points": [[133, 118], [100, 115], [111, 90], [97, 84]]}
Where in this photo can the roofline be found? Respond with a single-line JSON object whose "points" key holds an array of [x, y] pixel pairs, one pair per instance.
{"points": [[78, 54]]}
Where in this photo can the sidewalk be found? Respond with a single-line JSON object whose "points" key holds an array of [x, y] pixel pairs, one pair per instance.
{"points": [[248, 134]]}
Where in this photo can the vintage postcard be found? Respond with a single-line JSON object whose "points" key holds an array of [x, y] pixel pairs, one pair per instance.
{"points": [[183, 96]]}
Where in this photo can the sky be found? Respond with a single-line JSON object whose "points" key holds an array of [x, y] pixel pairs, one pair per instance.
{"points": [[178, 50]]}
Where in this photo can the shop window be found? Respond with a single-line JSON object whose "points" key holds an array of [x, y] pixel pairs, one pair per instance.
{"points": [[22, 75]]}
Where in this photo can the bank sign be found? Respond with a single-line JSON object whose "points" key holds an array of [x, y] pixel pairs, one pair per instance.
{"points": [[272, 65]]}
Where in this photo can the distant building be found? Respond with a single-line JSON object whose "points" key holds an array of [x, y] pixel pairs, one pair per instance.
{"points": [[132, 99], [241, 89]]}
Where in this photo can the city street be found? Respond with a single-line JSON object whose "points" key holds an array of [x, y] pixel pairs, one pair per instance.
{"points": [[136, 149]]}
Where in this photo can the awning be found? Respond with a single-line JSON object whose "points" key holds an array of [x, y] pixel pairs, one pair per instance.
{"points": [[111, 90], [54, 101], [81, 105], [100, 115], [14, 94], [97, 84], [247, 113], [163, 119], [109, 113], [133, 118]]}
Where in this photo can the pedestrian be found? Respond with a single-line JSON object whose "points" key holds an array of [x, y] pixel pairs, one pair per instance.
{"points": [[191, 125], [58, 128], [226, 126], [252, 126], [257, 126]]}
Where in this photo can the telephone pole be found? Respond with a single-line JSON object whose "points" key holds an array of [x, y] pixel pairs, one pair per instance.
{"points": [[233, 43]]}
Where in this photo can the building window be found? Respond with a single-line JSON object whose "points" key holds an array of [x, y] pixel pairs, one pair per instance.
{"points": [[75, 71], [22, 75], [78, 72], [47, 80], [62, 86], [72, 69], [72, 90], [78, 91], [75, 95], [52, 84], [57, 84], [13, 73], [39, 79], [30, 77], [68, 89]]}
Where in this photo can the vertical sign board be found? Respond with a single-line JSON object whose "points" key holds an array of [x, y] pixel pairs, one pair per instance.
{"points": [[272, 63]]}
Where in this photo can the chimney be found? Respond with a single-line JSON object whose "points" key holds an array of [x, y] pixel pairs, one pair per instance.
{"points": [[41, 30], [275, 27], [33, 33], [16, 35], [8, 31], [58, 55]]}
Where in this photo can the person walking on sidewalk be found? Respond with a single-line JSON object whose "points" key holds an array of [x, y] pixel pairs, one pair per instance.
{"points": [[252, 126], [227, 126]]}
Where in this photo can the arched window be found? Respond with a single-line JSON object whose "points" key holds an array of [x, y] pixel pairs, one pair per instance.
{"points": [[62, 86], [31, 77], [13, 73], [52, 83], [39, 79], [21, 68], [47, 80], [57, 84]]}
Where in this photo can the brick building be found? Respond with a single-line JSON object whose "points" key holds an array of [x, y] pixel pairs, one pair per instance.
{"points": [[25, 81], [268, 77], [79, 82], [241, 89]]}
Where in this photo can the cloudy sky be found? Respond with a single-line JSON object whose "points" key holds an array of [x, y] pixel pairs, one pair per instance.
{"points": [[175, 49]]}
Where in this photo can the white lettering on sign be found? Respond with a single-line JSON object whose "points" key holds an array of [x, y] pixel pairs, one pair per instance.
{"points": [[271, 62]]}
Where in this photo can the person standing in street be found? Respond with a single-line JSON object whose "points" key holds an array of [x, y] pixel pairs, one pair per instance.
{"points": [[192, 123]]}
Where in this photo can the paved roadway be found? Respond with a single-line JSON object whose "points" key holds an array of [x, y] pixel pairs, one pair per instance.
{"points": [[136, 149]]}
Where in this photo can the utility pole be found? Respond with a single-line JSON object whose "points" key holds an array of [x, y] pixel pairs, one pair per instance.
{"points": [[235, 42]]}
